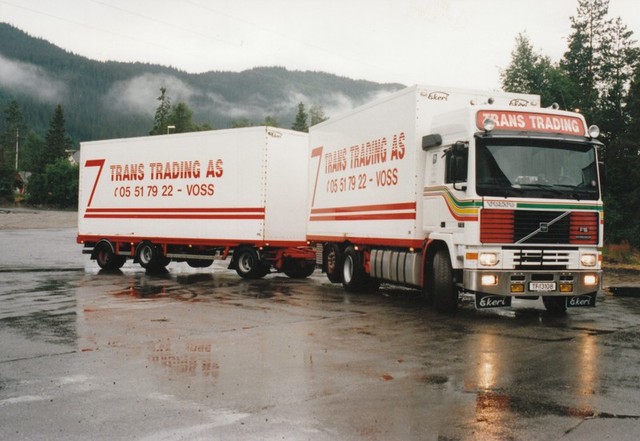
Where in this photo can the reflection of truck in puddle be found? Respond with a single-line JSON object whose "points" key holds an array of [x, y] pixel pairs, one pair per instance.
{"points": [[450, 191]]}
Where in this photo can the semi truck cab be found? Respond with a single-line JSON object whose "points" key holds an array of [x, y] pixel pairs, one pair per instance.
{"points": [[515, 195]]}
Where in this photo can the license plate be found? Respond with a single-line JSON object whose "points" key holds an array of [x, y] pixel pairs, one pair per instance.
{"points": [[542, 286]]}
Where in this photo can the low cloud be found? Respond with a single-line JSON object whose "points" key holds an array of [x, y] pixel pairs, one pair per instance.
{"points": [[31, 80], [140, 94]]}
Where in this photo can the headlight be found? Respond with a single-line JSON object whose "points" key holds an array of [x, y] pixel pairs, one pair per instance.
{"points": [[489, 280], [590, 279], [588, 259], [488, 259]]}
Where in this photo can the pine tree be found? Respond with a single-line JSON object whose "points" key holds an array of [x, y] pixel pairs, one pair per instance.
{"points": [[161, 118], [620, 56], [181, 118], [522, 73], [300, 123], [14, 126], [57, 140], [317, 115], [530, 72], [270, 121], [583, 60]]}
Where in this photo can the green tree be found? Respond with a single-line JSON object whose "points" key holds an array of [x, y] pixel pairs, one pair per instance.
{"points": [[161, 118], [270, 121], [181, 117], [300, 123], [32, 149], [9, 141], [583, 61], [54, 180], [316, 114], [620, 57], [242, 122], [57, 141], [623, 172], [56, 186], [530, 72]]}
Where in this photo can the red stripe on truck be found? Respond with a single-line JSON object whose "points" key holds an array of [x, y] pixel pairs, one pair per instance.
{"points": [[403, 210], [246, 213]]}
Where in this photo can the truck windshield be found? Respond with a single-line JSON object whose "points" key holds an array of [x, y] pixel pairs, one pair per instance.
{"points": [[536, 169]]}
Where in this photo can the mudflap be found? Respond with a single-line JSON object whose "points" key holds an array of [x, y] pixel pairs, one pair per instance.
{"points": [[583, 301], [486, 301]]}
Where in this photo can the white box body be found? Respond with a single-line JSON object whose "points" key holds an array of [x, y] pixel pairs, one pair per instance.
{"points": [[214, 187]]}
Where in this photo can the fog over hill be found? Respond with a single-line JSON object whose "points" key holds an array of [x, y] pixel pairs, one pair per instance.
{"points": [[113, 99]]}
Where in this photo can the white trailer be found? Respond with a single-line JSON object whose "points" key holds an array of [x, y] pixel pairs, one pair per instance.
{"points": [[197, 197], [459, 192]]}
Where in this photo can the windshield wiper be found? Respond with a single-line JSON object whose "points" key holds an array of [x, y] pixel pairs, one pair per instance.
{"points": [[578, 192], [498, 190], [546, 187]]}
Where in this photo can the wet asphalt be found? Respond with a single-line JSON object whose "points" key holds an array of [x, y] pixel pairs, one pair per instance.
{"points": [[202, 354]]}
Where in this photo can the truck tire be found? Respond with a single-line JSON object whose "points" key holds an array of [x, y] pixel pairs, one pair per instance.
{"points": [[445, 293], [332, 262], [555, 305], [150, 256], [301, 271], [248, 264], [106, 258], [353, 275]]}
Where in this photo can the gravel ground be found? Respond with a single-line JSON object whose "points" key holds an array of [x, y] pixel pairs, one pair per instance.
{"points": [[12, 218]]}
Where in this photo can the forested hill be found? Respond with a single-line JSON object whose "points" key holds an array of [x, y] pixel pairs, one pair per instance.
{"points": [[112, 99]]}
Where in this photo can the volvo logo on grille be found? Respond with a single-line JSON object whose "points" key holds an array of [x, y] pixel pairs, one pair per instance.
{"points": [[544, 227]]}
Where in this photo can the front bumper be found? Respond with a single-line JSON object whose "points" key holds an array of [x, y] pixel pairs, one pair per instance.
{"points": [[532, 283]]}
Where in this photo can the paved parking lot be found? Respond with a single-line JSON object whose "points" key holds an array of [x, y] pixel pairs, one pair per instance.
{"points": [[202, 354]]}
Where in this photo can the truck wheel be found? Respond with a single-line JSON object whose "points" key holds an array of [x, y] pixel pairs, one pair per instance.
{"points": [[555, 305], [150, 256], [445, 293], [353, 275], [106, 258], [248, 265], [301, 271], [332, 262]]}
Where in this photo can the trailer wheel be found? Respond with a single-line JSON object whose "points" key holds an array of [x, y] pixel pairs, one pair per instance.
{"points": [[301, 271], [555, 305], [150, 256], [353, 275], [106, 258], [248, 265], [445, 293], [332, 262]]}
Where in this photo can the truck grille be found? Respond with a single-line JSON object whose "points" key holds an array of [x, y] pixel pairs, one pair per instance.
{"points": [[541, 259], [538, 227]]}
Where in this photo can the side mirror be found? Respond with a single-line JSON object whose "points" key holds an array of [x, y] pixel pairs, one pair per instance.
{"points": [[457, 157]]}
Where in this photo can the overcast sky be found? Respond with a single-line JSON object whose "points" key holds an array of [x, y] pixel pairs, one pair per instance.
{"points": [[462, 43]]}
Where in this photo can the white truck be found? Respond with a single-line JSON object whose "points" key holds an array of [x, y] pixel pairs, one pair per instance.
{"points": [[459, 192], [197, 197]]}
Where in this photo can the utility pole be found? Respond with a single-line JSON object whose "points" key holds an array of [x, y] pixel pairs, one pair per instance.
{"points": [[17, 147]]}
